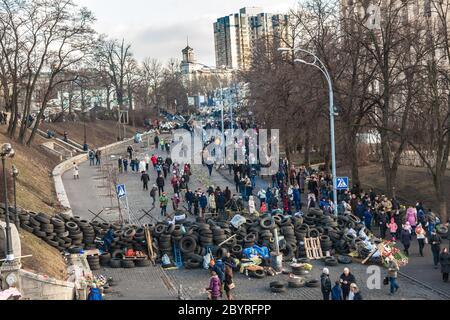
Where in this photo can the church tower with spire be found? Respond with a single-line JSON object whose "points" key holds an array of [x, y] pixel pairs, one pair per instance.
{"points": [[188, 54]]}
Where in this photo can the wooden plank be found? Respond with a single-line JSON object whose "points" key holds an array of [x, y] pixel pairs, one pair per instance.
{"points": [[149, 241]]}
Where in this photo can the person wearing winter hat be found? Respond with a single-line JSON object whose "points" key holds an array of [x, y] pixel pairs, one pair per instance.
{"points": [[393, 228], [420, 235], [325, 284], [153, 193]]}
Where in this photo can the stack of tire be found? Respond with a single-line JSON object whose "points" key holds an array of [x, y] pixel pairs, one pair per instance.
{"points": [[105, 259], [11, 211], [164, 238], [277, 287], [115, 245], [325, 243], [266, 236], [88, 234], [206, 235], [287, 230], [219, 235], [94, 261], [62, 236], [44, 229], [25, 221], [75, 234]]}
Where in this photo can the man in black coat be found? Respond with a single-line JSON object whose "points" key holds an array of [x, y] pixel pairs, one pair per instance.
{"points": [[189, 199], [130, 152], [445, 264], [220, 203], [145, 178], [435, 242], [160, 183], [346, 279], [156, 140], [325, 284]]}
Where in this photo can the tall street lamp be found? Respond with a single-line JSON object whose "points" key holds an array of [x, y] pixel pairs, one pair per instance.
{"points": [[15, 174], [317, 63], [6, 151]]}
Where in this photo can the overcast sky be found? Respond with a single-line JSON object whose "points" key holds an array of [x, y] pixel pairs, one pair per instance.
{"points": [[159, 28]]}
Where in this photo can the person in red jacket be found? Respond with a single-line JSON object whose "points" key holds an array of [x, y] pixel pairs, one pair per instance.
{"points": [[175, 181], [154, 160]]}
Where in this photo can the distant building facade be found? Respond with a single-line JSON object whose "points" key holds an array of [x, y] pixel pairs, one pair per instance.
{"points": [[236, 34]]}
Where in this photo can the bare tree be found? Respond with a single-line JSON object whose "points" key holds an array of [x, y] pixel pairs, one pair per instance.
{"points": [[114, 57], [39, 40]]}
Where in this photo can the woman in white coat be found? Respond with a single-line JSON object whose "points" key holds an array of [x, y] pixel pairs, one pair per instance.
{"points": [[251, 205], [212, 203]]}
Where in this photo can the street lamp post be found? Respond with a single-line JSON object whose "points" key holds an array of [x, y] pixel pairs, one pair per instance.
{"points": [[7, 151], [15, 174], [317, 63]]}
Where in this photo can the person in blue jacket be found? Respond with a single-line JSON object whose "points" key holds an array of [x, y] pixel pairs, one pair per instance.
{"points": [[297, 198], [359, 211], [368, 219], [336, 292], [203, 202], [94, 293]]}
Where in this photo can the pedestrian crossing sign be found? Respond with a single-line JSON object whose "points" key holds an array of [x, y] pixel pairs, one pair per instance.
{"points": [[121, 191], [342, 183]]}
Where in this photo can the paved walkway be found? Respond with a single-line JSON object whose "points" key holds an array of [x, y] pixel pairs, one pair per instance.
{"points": [[155, 283]]}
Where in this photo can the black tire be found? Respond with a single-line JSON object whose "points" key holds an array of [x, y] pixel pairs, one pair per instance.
{"points": [[75, 249], [170, 229], [128, 264], [331, 261], [115, 263], [42, 218], [160, 229], [76, 236], [117, 254], [64, 234], [40, 234], [72, 226], [296, 283], [288, 252], [83, 223], [195, 257], [52, 243], [57, 222], [278, 290], [259, 274], [313, 283], [129, 233], [34, 222], [188, 244], [313, 233], [345, 259], [267, 223], [142, 263], [277, 284], [27, 228]]}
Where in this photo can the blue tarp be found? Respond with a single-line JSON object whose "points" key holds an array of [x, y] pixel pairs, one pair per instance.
{"points": [[256, 250]]}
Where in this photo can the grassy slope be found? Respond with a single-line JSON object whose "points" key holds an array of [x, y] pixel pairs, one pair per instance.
{"points": [[98, 133], [36, 192]]}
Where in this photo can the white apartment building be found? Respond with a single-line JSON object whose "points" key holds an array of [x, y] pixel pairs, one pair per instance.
{"points": [[235, 35]]}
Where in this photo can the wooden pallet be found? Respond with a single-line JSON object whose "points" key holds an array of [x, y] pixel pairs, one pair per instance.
{"points": [[313, 249]]}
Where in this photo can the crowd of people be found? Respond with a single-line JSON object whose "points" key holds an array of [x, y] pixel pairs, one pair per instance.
{"points": [[382, 215]]}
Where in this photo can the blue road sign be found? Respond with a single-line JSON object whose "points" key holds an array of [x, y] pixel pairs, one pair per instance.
{"points": [[121, 191], [342, 183]]}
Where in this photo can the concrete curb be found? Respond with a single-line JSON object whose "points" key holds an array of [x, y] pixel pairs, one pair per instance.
{"points": [[63, 167]]}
